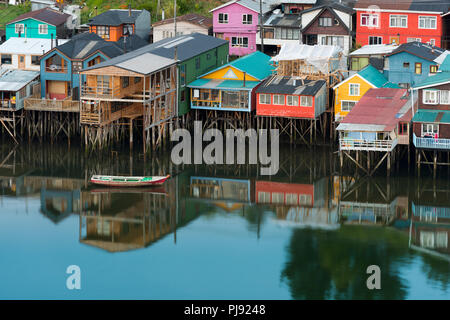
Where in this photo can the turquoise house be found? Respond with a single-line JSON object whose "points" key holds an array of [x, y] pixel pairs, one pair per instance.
{"points": [[45, 23]]}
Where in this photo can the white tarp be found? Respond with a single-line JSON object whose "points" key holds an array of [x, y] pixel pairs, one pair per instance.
{"points": [[374, 49], [442, 57], [317, 55]]}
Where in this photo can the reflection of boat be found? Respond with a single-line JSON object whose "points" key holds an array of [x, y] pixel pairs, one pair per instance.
{"points": [[155, 190], [128, 181]]}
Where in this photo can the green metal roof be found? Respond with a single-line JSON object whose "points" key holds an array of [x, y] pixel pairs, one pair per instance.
{"points": [[442, 76], [376, 77], [435, 116], [223, 84], [445, 65], [256, 64]]}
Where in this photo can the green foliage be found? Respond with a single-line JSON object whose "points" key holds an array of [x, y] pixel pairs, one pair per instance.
{"points": [[9, 12]]}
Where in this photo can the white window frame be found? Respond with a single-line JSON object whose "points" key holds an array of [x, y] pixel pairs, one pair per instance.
{"points": [[428, 17], [245, 19], [276, 97], [307, 103], [433, 42], [224, 21], [22, 27], [46, 29], [443, 93], [239, 42], [291, 102], [433, 100], [342, 105], [265, 95], [428, 126], [398, 16], [350, 89], [381, 42], [370, 17], [408, 40], [326, 24]]}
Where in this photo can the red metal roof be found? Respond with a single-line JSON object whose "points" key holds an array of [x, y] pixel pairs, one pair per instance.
{"points": [[384, 107]]}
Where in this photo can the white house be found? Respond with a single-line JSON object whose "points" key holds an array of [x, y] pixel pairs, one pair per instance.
{"points": [[24, 53], [187, 24]]}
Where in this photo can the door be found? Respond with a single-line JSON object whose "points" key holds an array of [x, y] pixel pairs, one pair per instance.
{"points": [[394, 40], [21, 61]]}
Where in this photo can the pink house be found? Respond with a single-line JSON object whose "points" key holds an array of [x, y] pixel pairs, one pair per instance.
{"points": [[237, 21]]}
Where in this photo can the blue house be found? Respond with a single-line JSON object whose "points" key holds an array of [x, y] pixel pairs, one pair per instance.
{"points": [[60, 66], [412, 63]]}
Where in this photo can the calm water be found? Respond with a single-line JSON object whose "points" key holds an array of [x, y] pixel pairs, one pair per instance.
{"points": [[218, 232]]}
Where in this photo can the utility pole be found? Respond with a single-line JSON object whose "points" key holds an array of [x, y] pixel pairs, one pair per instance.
{"points": [[261, 31], [158, 6], [175, 16]]}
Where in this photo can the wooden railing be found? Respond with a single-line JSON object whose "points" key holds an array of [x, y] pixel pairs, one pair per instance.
{"points": [[99, 92], [366, 145], [66, 105], [431, 143]]}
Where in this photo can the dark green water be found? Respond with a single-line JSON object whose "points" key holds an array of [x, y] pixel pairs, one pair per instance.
{"points": [[218, 232]]}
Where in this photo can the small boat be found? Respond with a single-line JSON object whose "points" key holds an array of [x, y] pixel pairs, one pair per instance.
{"points": [[126, 181]]}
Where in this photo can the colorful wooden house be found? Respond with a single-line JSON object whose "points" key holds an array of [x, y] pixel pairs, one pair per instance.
{"points": [[186, 24], [237, 22], [387, 22], [412, 63], [348, 92], [45, 23], [231, 87], [291, 97], [328, 24], [15, 86], [378, 122], [113, 24], [370, 54], [431, 123]]}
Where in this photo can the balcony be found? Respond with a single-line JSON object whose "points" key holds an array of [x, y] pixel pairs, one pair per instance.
{"points": [[65, 105], [366, 145], [431, 143]]}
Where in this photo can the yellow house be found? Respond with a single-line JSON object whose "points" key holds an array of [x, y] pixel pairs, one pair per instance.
{"points": [[348, 92]]}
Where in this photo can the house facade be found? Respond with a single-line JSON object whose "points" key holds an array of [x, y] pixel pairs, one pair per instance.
{"points": [[237, 22], [24, 54], [45, 23], [412, 63], [431, 123], [15, 86], [329, 24], [370, 54], [348, 92], [116, 23], [232, 86], [291, 97], [187, 24], [399, 22]]}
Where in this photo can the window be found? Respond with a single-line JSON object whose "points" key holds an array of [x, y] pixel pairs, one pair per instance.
{"points": [[223, 17], [278, 99], [347, 105], [418, 68], [137, 79], [264, 98], [375, 40], [444, 96], [430, 96], [433, 42], [306, 101], [197, 63], [403, 128], [292, 100], [427, 22], [20, 28], [369, 20], [127, 29], [405, 64], [353, 89], [77, 66], [103, 32], [183, 75], [247, 19], [287, 33], [43, 29], [398, 21], [35, 60], [183, 96], [125, 82], [333, 41], [291, 198], [239, 42], [263, 197], [433, 69], [413, 39], [208, 56], [430, 129], [6, 59], [325, 22]]}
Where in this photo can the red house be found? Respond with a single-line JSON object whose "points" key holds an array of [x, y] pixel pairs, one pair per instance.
{"points": [[388, 21], [291, 97]]}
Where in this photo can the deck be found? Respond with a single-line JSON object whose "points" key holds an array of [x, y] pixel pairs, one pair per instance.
{"points": [[364, 145], [37, 104], [431, 143]]}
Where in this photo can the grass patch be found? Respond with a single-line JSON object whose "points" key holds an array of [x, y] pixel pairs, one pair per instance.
{"points": [[8, 13]]}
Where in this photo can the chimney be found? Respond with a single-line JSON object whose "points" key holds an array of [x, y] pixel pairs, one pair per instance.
{"points": [[129, 10]]}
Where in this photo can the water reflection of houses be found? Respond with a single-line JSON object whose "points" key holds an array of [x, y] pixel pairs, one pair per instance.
{"points": [[430, 227], [369, 201], [308, 204]]}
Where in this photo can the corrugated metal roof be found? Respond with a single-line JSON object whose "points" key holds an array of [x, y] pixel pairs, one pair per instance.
{"points": [[432, 116], [383, 107], [115, 17], [376, 78], [14, 80], [374, 49], [32, 46], [47, 15], [419, 49], [145, 63], [291, 85], [439, 78], [223, 84]]}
